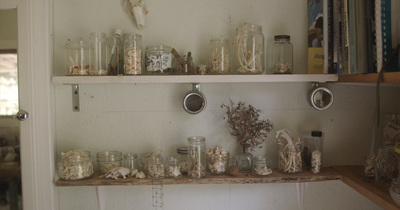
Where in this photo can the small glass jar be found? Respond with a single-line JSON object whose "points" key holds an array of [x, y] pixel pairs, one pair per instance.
{"points": [[158, 59], [144, 160], [77, 61], [244, 161], [196, 157], [75, 165], [130, 161], [261, 166], [385, 166], [201, 69], [173, 167], [98, 54], [282, 55], [183, 65], [108, 160], [132, 54], [183, 159], [156, 167], [369, 168], [217, 160], [249, 49], [219, 56], [113, 54]]}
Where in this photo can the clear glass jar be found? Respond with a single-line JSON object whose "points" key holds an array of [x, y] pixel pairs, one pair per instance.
{"points": [[77, 59], [156, 167], [108, 160], [217, 160], [385, 166], [173, 167], [183, 159], [390, 129], [113, 54], [316, 151], [282, 55], [244, 161], [144, 160], [290, 160], [196, 157], [219, 56], [261, 166], [369, 168], [201, 69], [158, 59], [130, 161], [75, 165], [132, 54], [249, 49], [98, 54], [183, 65]]}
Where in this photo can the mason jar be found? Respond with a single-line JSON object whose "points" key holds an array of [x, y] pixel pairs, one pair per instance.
{"points": [[98, 54], [219, 56], [77, 59], [173, 167], [108, 160], [75, 165], [158, 59], [282, 55], [183, 65], [249, 49], [156, 167], [132, 54], [196, 157], [130, 161]]}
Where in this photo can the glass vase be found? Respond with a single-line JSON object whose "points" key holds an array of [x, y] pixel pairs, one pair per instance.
{"points": [[244, 161]]}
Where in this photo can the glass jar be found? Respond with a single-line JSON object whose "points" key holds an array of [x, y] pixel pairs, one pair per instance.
{"points": [[369, 168], [77, 58], [282, 55], [201, 69], [244, 161], [196, 157], [108, 160], [144, 160], [156, 167], [219, 56], [173, 167], [390, 129], [290, 158], [158, 59], [385, 166], [130, 161], [249, 49], [261, 166], [132, 54], [217, 160], [312, 152], [98, 54], [113, 54], [183, 159], [75, 165], [183, 65]]}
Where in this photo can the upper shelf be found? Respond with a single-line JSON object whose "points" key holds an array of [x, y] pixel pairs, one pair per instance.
{"points": [[322, 78], [389, 77]]}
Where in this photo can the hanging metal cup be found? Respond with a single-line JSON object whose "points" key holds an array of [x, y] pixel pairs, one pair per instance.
{"points": [[194, 101]]}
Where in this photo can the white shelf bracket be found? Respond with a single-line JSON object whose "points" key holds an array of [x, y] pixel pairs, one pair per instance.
{"points": [[75, 98]]}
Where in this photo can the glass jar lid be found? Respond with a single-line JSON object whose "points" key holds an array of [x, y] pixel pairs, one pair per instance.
{"points": [[182, 150], [282, 37]]}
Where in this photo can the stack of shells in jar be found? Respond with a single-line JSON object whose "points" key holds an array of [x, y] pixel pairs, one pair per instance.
{"points": [[217, 160], [132, 54], [108, 160], [156, 167], [173, 167], [75, 165], [290, 149], [219, 56]]}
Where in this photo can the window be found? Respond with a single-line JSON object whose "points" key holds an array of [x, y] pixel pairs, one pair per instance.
{"points": [[8, 82]]}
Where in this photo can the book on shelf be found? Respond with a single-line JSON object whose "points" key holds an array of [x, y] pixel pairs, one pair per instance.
{"points": [[317, 36]]}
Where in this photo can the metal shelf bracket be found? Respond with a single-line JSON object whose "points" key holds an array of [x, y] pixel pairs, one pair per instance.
{"points": [[75, 98]]}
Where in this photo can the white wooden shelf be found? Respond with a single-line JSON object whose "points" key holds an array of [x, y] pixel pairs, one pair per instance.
{"points": [[320, 78]]}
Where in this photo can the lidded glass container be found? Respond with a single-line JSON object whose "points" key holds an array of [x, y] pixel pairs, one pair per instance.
{"points": [[173, 167], [282, 55], [249, 49], [385, 166], [98, 54], [131, 161], [75, 165], [113, 54], [219, 56], [132, 54], [312, 152], [158, 59], [217, 160], [183, 159], [77, 59], [196, 157], [261, 166], [183, 65], [108, 160]]}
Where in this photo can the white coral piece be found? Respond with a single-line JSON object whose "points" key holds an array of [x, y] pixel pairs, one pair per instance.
{"points": [[117, 172], [140, 175], [137, 11]]}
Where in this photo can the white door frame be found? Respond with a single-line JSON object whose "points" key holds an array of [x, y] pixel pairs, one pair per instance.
{"points": [[36, 94]]}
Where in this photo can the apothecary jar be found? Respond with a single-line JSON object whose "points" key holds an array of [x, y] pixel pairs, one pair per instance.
{"points": [[282, 55], [196, 157], [132, 54], [219, 56]]}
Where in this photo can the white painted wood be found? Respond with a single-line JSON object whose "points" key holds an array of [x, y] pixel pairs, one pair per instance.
{"points": [[194, 79]]}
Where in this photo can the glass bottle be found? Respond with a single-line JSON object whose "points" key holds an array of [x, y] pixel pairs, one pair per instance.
{"points": [[249, 49], [282, 55], [108, 160], [132, 54], [130, 161], [261, 166], [183, 65], [385, 166], [98, 54], [244, 161], [77, 59], [316, 151], [219, 56], [173, 167], [75, 165], [183, 159], [196, 157], [158, 59], [113, 53]]}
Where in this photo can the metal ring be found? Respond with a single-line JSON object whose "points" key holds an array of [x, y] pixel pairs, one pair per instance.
{"points": [[194, 102]]}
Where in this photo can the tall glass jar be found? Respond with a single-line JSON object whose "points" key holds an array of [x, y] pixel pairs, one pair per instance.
{"points": [[77, 59], [98, 54], [282, 55], [219, 56], [158, 59], [130, 161], [113, 54], [385, 166], [132, 54], [196, 157], [249, 48], [108, 160]]}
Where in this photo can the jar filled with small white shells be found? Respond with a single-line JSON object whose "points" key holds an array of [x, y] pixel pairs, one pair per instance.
{"points": [[156, 168], [173, 167], [261, 166], [108, 160], [183, 159], [196, 157], [145, 158], [217, 160], [75, 165], [132, 54], [282, 55], [312, 152], [219, 56]]}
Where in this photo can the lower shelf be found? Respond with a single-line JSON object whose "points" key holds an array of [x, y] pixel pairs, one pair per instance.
{"points": [[326, 174]]}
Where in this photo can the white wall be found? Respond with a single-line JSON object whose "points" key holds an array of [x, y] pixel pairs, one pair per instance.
{"points": [[145, 117]]}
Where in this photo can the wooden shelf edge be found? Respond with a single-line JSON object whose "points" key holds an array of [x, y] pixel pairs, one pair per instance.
{"points": [[353, 176], [327, 174], [388, 77]]}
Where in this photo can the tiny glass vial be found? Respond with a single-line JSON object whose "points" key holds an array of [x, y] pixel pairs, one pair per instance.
{"points": [[173, 167], [156, 168], [261, 166], [196, 157], [113, 54], [98, 54], [158, 59], [219, 56], [385, 167], [183, 65], [75, 165], [316, 151], [183, 159], [282, 55], [249, 49], [130, 161], [77, 59], [108, 160], [132, 54]]}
